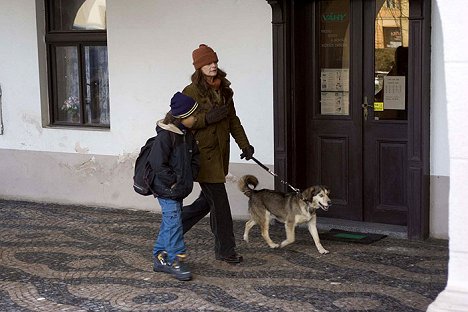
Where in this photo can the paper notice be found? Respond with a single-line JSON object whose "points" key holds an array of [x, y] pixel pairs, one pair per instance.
{"points": [[334, 103], [394, 92], [334, 79]]}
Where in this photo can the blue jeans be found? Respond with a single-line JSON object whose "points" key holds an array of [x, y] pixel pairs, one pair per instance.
{"points": [[170, 237]]}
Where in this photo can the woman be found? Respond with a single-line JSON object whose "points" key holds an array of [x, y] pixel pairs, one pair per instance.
{"points": [[216, 120]]}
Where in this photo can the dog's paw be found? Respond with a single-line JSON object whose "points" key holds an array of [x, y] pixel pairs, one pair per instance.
{"points": [[246, 239], [323, 251], [274, 246], [285, 243]]}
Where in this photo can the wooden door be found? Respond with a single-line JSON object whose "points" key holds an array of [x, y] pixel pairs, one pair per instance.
{"points": [[333, 62], [360, 153], [328, 86], [385, 112]]}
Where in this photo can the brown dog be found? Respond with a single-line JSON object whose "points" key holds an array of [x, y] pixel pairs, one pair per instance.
{"points": [[290, 208]]}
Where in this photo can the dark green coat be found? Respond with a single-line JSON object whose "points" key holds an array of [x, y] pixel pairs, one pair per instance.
{"points": [[213, 140]]}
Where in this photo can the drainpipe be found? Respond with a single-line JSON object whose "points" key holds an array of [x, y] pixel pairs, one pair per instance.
{"points": [[1, 115]]}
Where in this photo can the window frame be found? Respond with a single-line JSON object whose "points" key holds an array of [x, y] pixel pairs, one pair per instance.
{"points": [[68, 38]]}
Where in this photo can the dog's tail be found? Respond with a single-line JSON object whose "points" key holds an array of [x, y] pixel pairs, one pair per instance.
{"points": [[245, 182]]}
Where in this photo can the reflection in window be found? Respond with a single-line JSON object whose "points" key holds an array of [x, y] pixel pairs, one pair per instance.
{"points": [[69, 15], [97, 85], [391, 4], [91, 15], [68, 84], [391, 59]]}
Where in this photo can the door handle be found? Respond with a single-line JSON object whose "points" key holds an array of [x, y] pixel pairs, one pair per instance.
{"points": [[365, 107]]}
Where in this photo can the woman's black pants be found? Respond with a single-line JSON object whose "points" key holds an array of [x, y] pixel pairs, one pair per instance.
{"points": [[213, 199]]}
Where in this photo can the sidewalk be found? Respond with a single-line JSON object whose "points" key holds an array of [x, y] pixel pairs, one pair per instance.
{"points": [[73, 258]]}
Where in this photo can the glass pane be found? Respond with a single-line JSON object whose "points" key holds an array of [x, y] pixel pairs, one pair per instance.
{"points": [[97, 85], [70, 15], [68, 84], [334, 57], [391, 60]]}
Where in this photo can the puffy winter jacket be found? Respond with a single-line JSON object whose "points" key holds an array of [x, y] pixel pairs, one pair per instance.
{"points": [[174, 159]]}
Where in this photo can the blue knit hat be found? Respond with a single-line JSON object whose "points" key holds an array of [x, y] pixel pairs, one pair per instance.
{"points": [[182, 105]]}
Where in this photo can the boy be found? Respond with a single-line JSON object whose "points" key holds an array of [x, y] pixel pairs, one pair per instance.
{"points": [[174, 159]]}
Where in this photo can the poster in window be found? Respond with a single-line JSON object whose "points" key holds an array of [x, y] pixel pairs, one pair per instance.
{"points": [[394, 92], [334, 79], [334, 103], [392, 37]]}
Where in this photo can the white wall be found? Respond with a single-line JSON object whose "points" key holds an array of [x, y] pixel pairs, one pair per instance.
{"points": [[149, 45], [439, 163], [450, 76], [150, 57]]}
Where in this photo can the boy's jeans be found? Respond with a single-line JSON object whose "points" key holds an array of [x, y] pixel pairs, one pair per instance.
{"points": [[170, 236]]}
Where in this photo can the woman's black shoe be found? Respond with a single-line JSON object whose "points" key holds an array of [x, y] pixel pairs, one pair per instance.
{"points": [[231, 259]]}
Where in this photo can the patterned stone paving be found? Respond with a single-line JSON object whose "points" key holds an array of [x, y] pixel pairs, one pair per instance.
{"points": [[73, 258]]}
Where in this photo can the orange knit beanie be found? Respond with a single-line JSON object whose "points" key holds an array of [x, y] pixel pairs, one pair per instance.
{"points": [[204, 55]]}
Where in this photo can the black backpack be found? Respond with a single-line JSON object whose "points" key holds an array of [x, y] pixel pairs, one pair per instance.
{"points": [[143, 175]]}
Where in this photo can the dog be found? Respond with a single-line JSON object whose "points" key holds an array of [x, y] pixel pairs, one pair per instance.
{"points": [[289, 208]]}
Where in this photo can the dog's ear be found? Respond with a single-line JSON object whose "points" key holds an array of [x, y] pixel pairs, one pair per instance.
{"points": [[317, 190], [310, 192], [326, 189]]}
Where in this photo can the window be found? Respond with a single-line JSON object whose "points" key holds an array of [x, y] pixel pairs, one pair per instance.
{"points": [[76, 42], [392, 4]]}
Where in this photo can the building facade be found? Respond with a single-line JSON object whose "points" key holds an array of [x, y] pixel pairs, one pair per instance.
{"points": [[318, 88]]}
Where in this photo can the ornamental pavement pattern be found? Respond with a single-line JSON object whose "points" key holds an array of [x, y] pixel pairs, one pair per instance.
{"points": [[74, 258]]}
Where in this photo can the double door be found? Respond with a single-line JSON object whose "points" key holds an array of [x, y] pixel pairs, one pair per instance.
{"points": [[357, 119]]}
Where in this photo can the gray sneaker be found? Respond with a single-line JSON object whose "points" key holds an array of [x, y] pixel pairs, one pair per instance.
{"points": [[179, 269], [160, 263]]}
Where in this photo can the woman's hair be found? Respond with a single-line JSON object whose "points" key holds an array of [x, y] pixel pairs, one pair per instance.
{"points": [[169, 119], [198, 78]]}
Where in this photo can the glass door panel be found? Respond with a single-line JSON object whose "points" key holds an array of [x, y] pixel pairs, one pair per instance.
{"points": [[334, 54], [391, 60]]}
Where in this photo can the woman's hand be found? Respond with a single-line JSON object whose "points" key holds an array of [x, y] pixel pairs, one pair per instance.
{"points": [[247, 152], [216, 114]]}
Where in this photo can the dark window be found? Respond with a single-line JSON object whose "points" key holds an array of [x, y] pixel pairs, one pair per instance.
{"points": [[76, 43]]}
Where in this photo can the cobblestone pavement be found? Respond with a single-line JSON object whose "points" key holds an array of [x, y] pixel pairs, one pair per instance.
{"points": [[73, 258]]}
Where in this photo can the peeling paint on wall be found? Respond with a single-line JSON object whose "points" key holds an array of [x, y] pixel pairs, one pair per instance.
{"points": [[81, 150], [127, 157], [88, 167], [230, 178]]}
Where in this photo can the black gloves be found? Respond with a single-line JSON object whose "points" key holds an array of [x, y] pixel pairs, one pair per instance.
{"points": [[247, 152], [216, 114]]}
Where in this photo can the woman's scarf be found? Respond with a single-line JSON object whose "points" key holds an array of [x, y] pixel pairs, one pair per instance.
{"points": [[215, 84]]}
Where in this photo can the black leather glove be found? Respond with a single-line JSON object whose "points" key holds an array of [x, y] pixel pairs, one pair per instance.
{"points": [[247, 152], [216, 114]]}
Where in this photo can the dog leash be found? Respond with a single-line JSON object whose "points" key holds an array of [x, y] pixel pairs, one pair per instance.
{"points": [[275, 175]]}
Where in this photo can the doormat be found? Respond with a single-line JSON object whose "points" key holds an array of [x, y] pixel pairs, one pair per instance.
{"points": [[351, 237]]}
